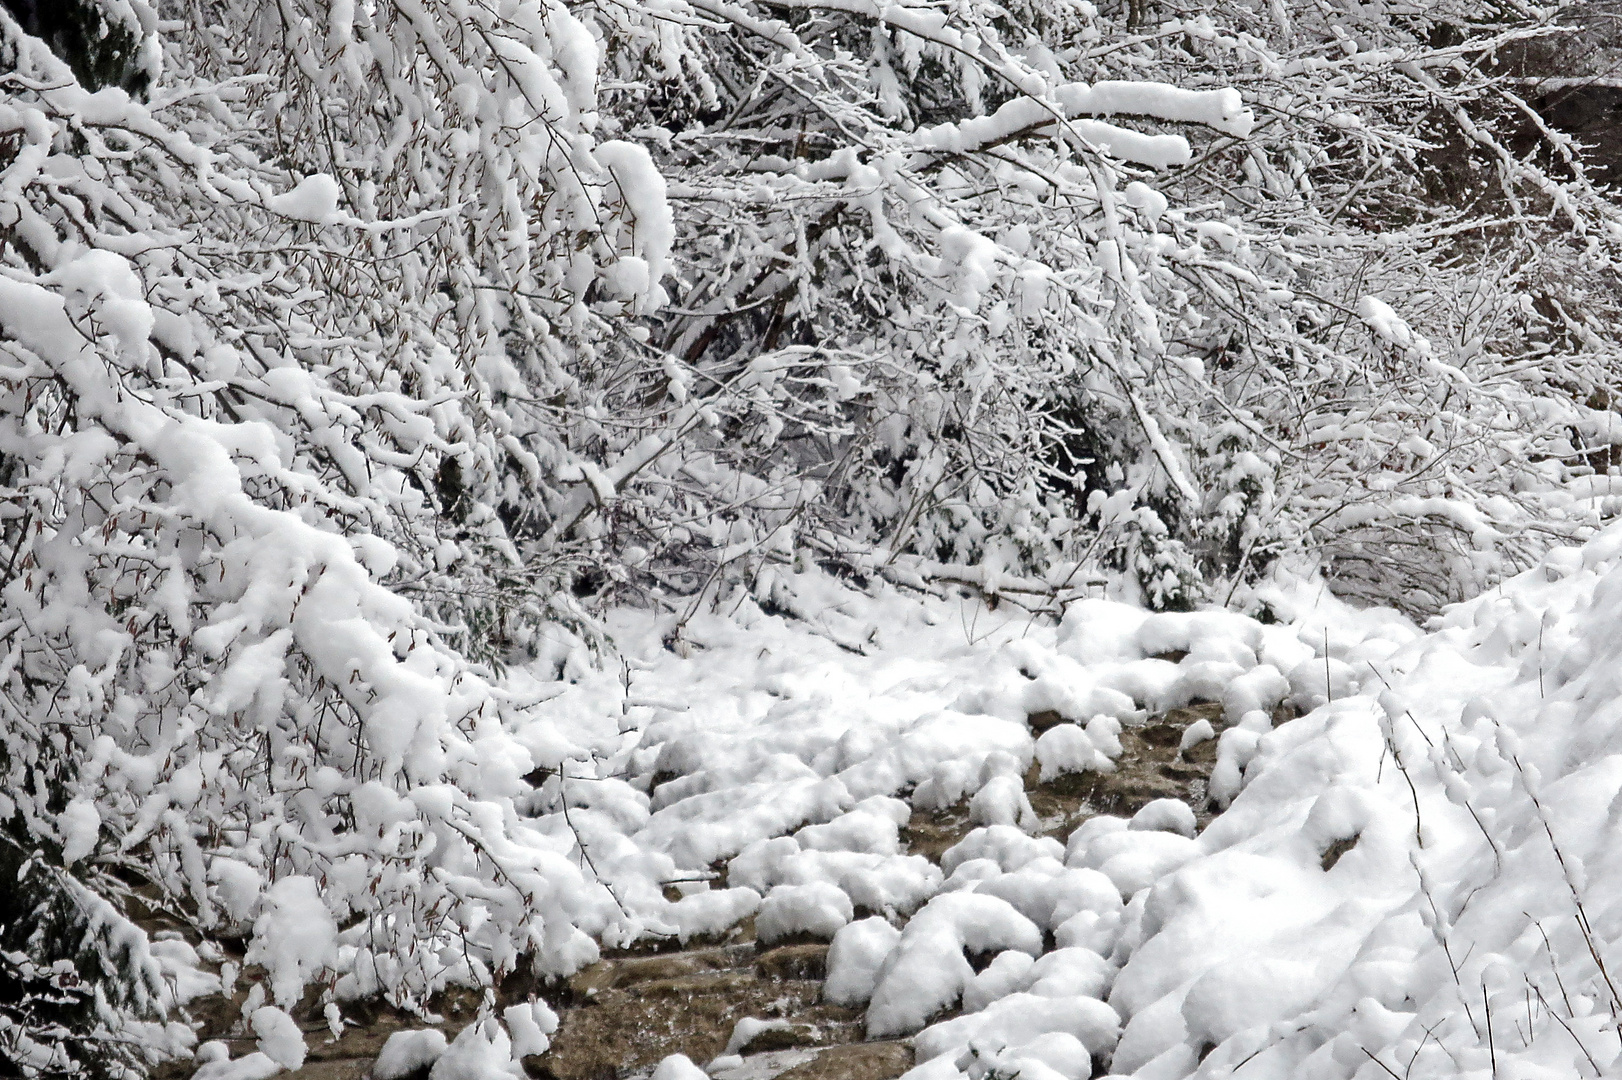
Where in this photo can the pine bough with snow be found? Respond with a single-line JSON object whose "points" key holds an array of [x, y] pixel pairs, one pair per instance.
{"points": [[354, 365]]}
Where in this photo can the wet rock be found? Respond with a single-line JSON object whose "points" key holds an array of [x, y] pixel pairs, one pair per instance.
{"points": [[689, 1003], [1044, 720], [629, 971], [1332, 854], [858, 1061], [808, 961], [930, 832]]}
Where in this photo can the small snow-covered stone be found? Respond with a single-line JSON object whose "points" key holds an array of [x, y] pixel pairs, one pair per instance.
{"points": [[857, 953], [1165, 815], [1318, 681], [530, 1025], [1105, 733], [482, 1051], [1064, 748], [1010, 847], [1257, 690], [1071, 972], [711, 912], [1059, 1051], [1095, 930], [1089, 832], [872, 827], [679, 1067], [969, 875], [818, 909], [1008, 972], [255, 1066], [1235, 749], [746, 1030], [927, 971], [1197, 732], [408, 1052], [1135, 858], [1001, 801], [891, 884], [1021, 1018]]}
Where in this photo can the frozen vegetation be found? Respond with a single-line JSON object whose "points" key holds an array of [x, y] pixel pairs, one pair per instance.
{"points": [[488, 483]]}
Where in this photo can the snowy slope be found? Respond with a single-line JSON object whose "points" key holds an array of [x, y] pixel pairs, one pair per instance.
{"points": [[1472, 928], [1413, 878]]}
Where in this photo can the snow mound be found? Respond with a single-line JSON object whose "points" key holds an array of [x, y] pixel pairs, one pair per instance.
{"points": [[819, 909], [408, 1052]]}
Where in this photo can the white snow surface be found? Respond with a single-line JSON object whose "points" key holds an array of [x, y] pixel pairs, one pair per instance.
{"points": [[1418, 876], [313, 199], [406, 1052], [772, 747], [279, 1037], [1467, 779]]}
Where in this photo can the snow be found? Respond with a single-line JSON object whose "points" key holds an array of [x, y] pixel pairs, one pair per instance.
{"points": [[1021, 1018], [1140, 940], [927, 970], [279, 1036], [180, 966], [1074, 103], [237, 887], [638, 187], [1066, 748], [294, 937], [1007, 847], [855, 957], [80, 824], [218, 1066], [314, 199], [481, 1051], [745, 1031], [408, 1052], [259, 343], [1165, 815], [819, 909], [710, 913], [102, 287], [678, 1067], [1006, 973], [1197, 732], [530, 1026]]}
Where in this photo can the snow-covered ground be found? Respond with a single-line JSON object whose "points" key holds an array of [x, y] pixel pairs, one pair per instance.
{"points": [[1418, 877]]}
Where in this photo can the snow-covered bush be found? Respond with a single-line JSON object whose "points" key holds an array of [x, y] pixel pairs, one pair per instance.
{"points": [[1007, 290], [1174, 301], [227, 480]]}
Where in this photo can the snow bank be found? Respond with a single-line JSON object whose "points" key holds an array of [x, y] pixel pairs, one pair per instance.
{"points": [[1303, 927], [1419, 881]]}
